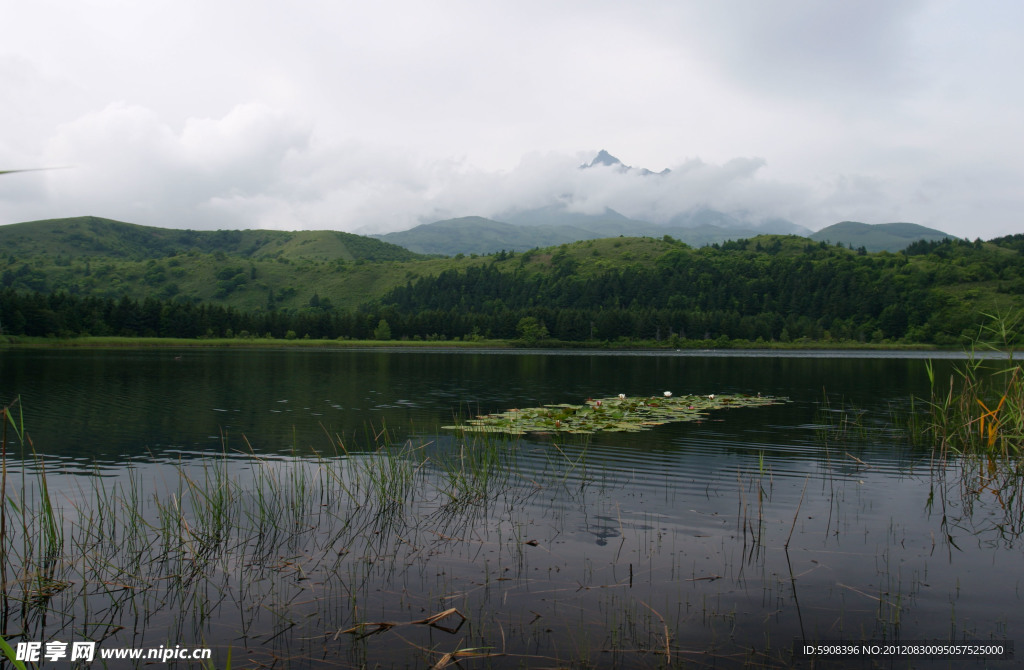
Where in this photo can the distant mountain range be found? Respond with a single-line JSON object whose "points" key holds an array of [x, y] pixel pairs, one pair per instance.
{"points": [[524, 230], [549, 226]]}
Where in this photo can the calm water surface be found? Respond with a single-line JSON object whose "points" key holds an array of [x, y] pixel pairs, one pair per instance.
{"points": [[657, 549]]}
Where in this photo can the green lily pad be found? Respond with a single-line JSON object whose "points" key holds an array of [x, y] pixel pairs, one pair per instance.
{"points": [[619, 414]]}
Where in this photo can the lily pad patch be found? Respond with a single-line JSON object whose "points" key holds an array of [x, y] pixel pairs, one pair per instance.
{"points": [[619, 414]]}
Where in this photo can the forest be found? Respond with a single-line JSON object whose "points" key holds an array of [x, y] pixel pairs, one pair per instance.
{"points": [[779, 289]]}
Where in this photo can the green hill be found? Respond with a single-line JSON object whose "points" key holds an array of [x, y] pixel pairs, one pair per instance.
{"points": [[90, 237], [877, 237], [245, 269]]}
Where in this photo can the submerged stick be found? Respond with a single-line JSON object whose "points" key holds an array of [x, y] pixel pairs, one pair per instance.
{"points": [[668, 647], [383, 626], [454, 656]]}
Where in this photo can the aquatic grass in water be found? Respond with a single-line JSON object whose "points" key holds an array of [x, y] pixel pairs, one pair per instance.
{"points": [[41, 537], [619, 414], [472, 471], [5, 418], [266, 535], [982, 410]]}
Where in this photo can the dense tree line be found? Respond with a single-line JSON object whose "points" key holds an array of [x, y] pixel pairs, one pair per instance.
{"points": [[62, 314], [66, 315], [737, 290]]}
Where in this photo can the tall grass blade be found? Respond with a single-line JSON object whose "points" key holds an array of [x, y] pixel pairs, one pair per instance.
{"points": [[11, 656]]}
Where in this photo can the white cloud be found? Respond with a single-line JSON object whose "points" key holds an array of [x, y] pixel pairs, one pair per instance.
{"points": [[381, 115], [127, 162]]}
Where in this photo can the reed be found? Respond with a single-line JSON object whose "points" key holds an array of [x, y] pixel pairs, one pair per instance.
{"points": [[5, 418], [470, 473], [981, 409], [845, 423]]}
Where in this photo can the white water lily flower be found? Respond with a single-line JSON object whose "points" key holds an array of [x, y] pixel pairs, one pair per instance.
{"points": [[711, 397], [668, 394], [622, 396]]}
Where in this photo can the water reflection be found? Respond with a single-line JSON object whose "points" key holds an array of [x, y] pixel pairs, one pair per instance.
{"points": [[108, 406]]}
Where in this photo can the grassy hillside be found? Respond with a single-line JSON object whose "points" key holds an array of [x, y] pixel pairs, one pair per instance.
{"points": [[245, 269], [91, 237]]}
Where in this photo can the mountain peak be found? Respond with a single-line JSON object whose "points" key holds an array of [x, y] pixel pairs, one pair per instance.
{"points": [[605, 158]]}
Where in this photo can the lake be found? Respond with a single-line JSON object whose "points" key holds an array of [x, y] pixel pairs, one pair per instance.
{"points": [[306, 509]]}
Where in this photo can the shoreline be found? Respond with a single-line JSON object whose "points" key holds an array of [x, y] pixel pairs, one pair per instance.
{"points": [[16, 342]]}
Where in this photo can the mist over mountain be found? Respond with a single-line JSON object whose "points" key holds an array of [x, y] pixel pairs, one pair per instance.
{"points": [[583, 209], [556, 189]]}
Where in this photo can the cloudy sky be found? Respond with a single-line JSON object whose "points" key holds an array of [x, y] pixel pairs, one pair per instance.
{"points": [[372, 117]]}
